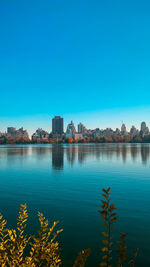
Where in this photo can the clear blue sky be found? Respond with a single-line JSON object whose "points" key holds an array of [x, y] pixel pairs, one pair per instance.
{"points": [[84, 60]]}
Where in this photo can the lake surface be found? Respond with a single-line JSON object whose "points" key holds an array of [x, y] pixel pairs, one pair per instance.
{"points": [[65, 183]]}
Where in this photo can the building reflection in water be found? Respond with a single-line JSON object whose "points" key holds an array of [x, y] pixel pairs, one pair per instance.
{"points": [[15, 154], [124, 152], [109, 151], [80, 153], [145, 153], [134, 151], [71, 152], [58, 157]]}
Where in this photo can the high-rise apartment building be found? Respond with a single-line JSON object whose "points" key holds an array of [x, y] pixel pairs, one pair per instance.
{"points": [[81, 128], [71, 130], [144, 129], [133, 132], [11, 130], [143, 126], [20, 133], [123, 130], [57, 125], [40, 134]]}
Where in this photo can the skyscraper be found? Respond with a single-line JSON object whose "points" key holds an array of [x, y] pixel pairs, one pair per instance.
{"points": [[133, 131], [57, 125], [143, 126], [81, 128], [11, 130], [71, 130], [144, 129], [123, 130]]}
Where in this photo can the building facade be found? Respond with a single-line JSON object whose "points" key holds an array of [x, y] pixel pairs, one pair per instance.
{"points": [[144, 129], [71, 130], [20, 133], [57, 125], [40, 134]]}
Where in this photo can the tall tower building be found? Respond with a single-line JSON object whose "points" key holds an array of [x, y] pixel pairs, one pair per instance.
{"points": [[57, 125], [11, 130], [123, 130], [81, 128], [144, 129], [71, 130], [143, 126]]}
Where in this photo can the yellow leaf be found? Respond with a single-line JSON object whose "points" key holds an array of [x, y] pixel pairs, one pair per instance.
{"points": [[105, 242], [103, 264], [105, 257], [104, 234], [104, 249]]}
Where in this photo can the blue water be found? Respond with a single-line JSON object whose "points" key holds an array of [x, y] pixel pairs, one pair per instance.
{"points": [[65, 182]]}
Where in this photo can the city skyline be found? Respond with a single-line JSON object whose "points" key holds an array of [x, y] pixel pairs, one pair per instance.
{"points": [[74, 124], [112, 119], [96, 65], [76, 131]]}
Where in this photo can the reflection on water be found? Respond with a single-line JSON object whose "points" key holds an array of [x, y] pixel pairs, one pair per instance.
{"points": [[64, 182], [57, 153], [57, 158]]}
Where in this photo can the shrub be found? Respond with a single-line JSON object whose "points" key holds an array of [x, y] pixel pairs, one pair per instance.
{"points": [[14, 244], [17, 249]]}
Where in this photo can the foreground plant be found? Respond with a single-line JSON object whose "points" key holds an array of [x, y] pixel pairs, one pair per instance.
{"points": [[14, 244], [17, 249], [122, 249], [109, 216], [82, 257]]}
